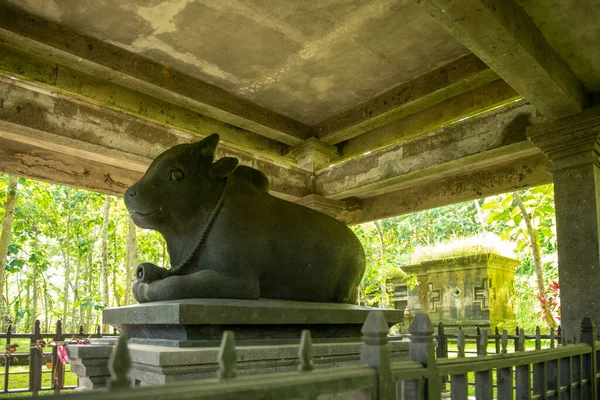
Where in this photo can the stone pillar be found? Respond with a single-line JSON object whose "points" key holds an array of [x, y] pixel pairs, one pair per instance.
{"points": [[573, 148]]}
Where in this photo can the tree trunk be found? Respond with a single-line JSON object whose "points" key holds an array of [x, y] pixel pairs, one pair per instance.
{"points": [[131, 260], [67, 259], [537, 259], [9, 213], [382, 278], [164, 253], [480, 216], [88, 316], [105, 286], [34, 298], [76, 296], [46, 305], [116, 294], [27, 327]]}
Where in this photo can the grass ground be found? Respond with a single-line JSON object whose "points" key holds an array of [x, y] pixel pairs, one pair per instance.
{"points": [[19, 375], [19, 379]]}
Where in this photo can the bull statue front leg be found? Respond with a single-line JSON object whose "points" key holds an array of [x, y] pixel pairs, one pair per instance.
{"points": [[202, 284]]}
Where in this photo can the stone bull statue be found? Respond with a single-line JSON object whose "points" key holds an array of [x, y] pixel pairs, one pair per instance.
{"points": [[227, 237]]}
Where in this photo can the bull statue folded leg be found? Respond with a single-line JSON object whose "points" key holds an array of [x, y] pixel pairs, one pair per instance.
{"points": [[227, 237]]}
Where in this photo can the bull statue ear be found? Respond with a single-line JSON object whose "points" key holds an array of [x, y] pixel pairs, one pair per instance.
{"points": [[208, 146], [224, 167]]}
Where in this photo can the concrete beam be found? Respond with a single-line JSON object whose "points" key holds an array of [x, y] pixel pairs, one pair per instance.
{"points": [[85, 133], [504, 37], [493, 138], [465, 105], [22, 159], [470, 185], [66, 48], [98, 91], [458, 77]]}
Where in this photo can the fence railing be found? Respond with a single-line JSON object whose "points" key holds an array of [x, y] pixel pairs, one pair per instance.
{"points": [[497, 340], [566, 371], [37, 351]]}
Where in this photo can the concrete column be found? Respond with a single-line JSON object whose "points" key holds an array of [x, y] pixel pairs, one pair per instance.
{"points": [[573, 148], [313, 155]]}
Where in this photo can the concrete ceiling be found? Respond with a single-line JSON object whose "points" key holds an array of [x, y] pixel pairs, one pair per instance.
{"points": [[572, 27], [359, 108], [307, 60]]}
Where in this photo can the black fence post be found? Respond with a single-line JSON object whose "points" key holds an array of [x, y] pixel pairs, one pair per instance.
{"points": [[36, 355], [497, 339], [58, 369], [588, 336], [7, 364]]}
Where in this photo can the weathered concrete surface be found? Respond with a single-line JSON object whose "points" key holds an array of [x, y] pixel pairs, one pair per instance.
{"points": [[91, 56], [426, 90], [572, 145], [465, 105], [82, 131], [300, 59], [571, 28], [313, 154], [95, 90], [489, 138], [469, 184], [501, 34], [327, 206], [20, 159]]}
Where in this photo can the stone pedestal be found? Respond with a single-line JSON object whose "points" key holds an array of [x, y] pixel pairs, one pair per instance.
{"points": [[179, 340], [155, 365], [201, 322], [572, 146], [468, 291]]}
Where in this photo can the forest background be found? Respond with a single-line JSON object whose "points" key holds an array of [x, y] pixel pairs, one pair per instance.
{"points": [[67, 253]]}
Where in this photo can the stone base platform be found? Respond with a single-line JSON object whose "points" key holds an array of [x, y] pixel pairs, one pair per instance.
{"points": [[201, 322], [157, 365]]}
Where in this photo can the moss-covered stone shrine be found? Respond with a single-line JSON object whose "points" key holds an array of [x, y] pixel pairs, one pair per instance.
{"points": [[467, 291]]}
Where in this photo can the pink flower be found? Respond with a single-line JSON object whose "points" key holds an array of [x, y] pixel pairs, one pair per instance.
{"points": [[62, 354]]}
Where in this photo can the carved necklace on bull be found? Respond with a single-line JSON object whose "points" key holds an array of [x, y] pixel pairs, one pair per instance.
{"points": [[202, 238]]}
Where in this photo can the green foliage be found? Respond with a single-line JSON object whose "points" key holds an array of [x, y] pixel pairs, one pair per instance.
{"points": [[499, 215], [55, 225], [401, 235], [505, 218]]}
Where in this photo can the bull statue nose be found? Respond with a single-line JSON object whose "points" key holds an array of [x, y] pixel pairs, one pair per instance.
{"points": [[131, 193]]}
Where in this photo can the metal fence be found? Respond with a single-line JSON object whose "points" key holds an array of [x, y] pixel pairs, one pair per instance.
{"points": [[41, 347], [566, 371]]}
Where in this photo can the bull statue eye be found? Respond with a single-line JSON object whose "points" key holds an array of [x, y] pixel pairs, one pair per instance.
{"points": [[176, 175]]}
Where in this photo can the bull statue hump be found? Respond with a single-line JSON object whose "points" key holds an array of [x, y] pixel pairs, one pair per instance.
{"points": [[227, 237]]}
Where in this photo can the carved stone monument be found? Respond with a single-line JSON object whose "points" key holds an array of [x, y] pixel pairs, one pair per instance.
{"points": [[468, 291]]}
